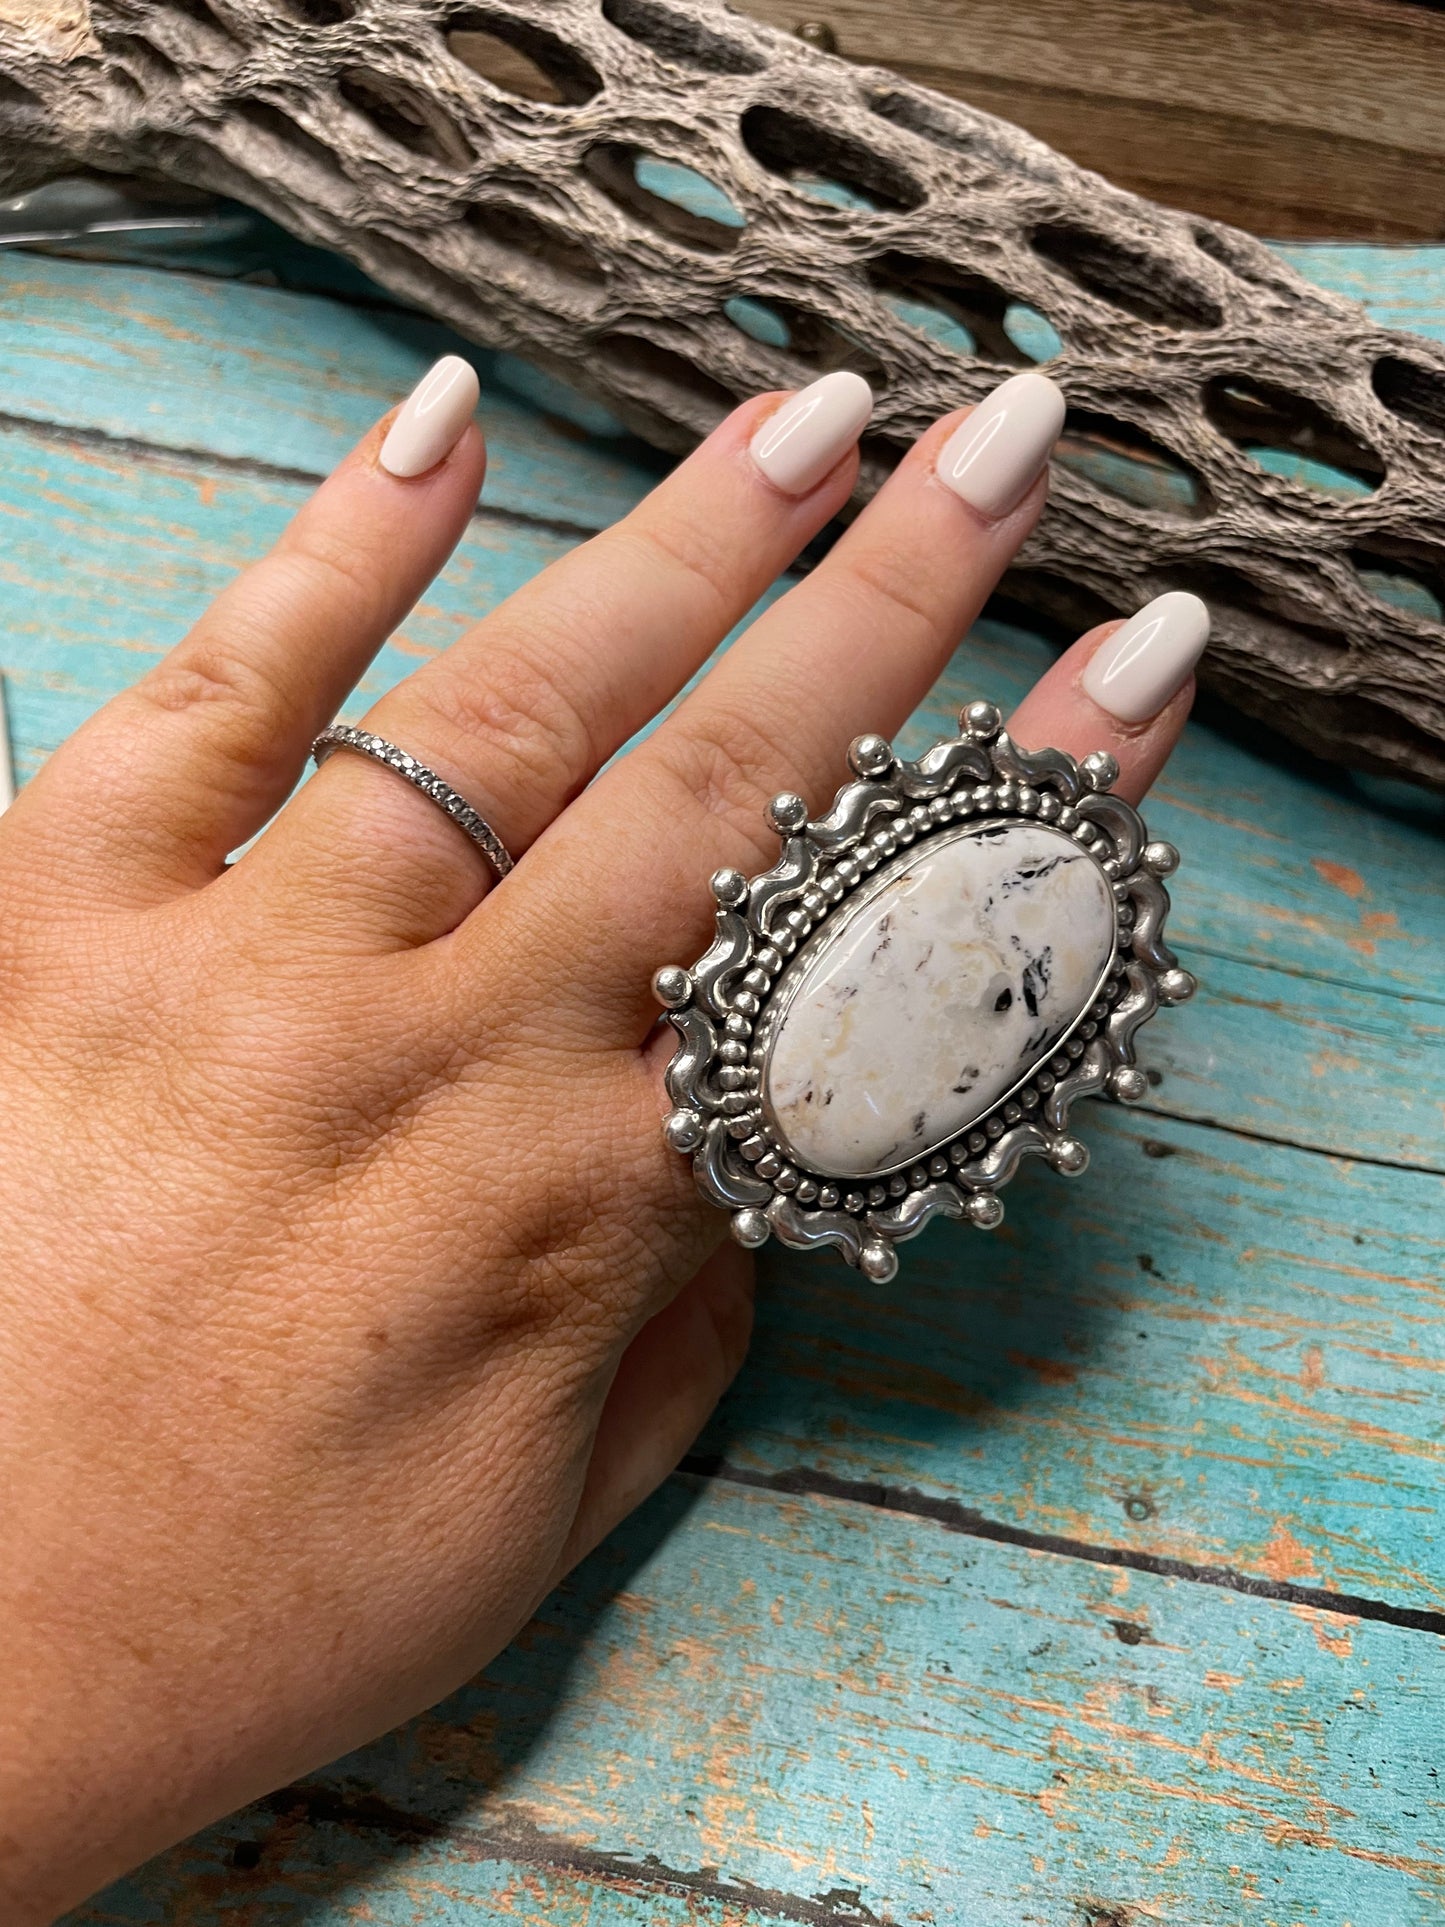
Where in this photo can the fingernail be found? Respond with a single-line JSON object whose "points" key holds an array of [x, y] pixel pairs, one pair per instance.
{"points": [[431, 423], [1140, 667], [812, 433], [993, 459]]}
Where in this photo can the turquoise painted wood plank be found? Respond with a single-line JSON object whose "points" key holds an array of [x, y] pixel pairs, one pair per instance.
{"points": [[1225, 1352], [290, 380], [874, 1720], [108, 558], [1402, 287]]}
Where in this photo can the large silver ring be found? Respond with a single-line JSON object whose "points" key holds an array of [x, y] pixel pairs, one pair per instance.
{"points": [[910, 1001], [344, 736]]}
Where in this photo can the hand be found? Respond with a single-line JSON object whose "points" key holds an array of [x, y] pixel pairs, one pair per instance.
{"points": [[350, 1293]]}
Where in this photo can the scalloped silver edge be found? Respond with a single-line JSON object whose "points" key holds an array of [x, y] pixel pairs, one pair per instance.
{"points": [[714, 1078]]}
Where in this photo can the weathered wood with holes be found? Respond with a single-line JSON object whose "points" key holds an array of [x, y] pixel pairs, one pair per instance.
{"points": [[763, 1706], [852, 207], [1324, 117], [751, 1709]]}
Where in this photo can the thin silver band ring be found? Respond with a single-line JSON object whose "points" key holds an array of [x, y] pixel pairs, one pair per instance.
{"points": [[432, 786]]}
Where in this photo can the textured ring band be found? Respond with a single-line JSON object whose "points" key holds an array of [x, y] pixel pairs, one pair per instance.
{"points": [[432, 786]]}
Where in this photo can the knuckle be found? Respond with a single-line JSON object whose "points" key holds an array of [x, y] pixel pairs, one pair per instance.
{"points": [[730, 767], [889, 594], [216, 676], [523, 715], [704, 563]]}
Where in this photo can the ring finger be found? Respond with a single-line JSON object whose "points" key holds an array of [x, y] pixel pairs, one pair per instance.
{"points": [[521, 713]]}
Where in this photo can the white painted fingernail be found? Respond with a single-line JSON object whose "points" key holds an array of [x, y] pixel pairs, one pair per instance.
{"points": [[811, 433], [1140, 667], [993, 459], [430, 425]]}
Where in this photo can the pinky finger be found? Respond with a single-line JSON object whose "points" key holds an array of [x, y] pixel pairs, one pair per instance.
{"points": [[1125, 687]]}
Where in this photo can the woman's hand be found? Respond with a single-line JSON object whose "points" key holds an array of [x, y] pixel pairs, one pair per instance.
{"points": [[350, 1294]]}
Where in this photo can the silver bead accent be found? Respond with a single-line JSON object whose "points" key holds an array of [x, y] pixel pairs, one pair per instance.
{"points": [[683, 1130], [984, 1210], [787, 813], [1100, 770], [1127, 1083], [980, 722], [729, 887], [827, 1196], [1177, 987], [750, 1228], [870, 756], [1068, 1156], [1162, 858], [671, 986], [878, 1261]]}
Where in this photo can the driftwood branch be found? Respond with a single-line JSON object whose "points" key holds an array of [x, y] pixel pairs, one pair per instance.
{"points": [[858, 221]]}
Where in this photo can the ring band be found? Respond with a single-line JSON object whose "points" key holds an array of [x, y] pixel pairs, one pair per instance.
{"points": [[432, 786]]}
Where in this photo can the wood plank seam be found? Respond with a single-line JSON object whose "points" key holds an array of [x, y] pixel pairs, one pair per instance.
{"points": [[1255, 1136], [969, 1522], [520, 1842], [204, 462], [1378, 987]]}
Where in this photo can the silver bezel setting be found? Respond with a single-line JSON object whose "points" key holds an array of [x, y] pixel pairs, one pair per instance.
{"points": [[724, 1011]]}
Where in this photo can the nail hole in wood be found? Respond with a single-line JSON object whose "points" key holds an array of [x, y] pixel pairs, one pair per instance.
{"points": [[759, 320], [929, 120], [522, 60], [404, 116], [964, 312], [321, 13], [819, 344], [1291, 436], [659, 368], [678, 37], [825, 164], [1413, 392], [1144, 285], [1129, 463], [518, 231], [1402, 577], [672, 200], [263, 118]]}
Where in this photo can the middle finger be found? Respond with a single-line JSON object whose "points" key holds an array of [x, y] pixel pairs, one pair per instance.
{"points": [[854, 647]]}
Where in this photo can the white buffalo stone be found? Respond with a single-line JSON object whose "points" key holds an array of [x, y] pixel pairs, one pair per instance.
{"points": [[954, 977]]}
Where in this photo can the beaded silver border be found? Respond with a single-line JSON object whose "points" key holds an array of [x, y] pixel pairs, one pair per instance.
{"points": [[719, 1008]]}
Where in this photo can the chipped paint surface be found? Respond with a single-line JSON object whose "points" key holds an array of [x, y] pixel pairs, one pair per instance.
{"points": [[1226, 1347], [937, 1730]]}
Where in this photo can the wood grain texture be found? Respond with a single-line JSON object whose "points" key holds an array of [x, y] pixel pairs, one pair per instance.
{"points": [[825, 1713], [1225, 1352], [844, 201], [286, 381], [1322, 118]]}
